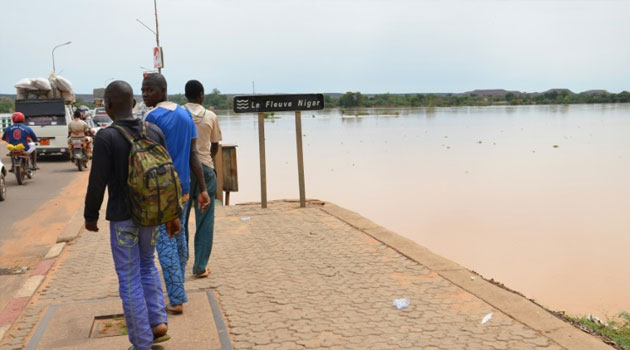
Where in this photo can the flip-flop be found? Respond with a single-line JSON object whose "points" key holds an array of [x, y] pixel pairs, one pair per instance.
{"points": [[203, 274], [161, 339], [172, 311]]}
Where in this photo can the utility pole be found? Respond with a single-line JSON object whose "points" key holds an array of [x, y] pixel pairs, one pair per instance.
{"points": [[157, 32]]}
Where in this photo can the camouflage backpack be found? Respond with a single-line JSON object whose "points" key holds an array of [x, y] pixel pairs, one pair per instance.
{"points": [[155, 192]]}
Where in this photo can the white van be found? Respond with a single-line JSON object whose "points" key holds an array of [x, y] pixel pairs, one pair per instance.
{"points": [[49, 120]]}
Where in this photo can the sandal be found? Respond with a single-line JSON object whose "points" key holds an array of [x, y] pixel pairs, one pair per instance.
{"points": [[203, 274], [175, 310], [160, 333], [161, 339]]}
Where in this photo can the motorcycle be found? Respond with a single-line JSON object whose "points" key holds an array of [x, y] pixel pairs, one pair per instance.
{"points": [[3, 182], [79, 157], [21, 162]]}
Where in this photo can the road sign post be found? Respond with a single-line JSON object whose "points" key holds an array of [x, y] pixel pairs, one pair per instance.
{"points": [[263, 159], [279, 103], [300, 157]]}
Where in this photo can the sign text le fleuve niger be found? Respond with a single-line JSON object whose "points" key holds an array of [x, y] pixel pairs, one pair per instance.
{"points": [[278, 103]]}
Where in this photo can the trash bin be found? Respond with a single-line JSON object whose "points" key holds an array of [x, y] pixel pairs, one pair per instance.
{"points": [[227, 179]]}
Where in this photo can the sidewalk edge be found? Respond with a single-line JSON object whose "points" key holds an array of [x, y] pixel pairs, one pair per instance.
{"points": [[514, 305], [22, 297], [73, 227]]}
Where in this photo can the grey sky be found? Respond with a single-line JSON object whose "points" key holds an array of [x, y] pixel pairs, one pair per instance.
{"points": [[324, 45]]}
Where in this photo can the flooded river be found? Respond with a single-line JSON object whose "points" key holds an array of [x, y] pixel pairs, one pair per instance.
{"points": [[536, 197]]}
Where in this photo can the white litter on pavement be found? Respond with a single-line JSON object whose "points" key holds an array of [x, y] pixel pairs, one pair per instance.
{"points": [[487, 318], [401, 303], [245, 218]]}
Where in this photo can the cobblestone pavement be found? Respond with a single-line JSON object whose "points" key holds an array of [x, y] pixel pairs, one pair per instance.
{"points": [[290, 278]]}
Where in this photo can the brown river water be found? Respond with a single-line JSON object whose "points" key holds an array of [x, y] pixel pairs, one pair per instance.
{"points": [[536, 197]]}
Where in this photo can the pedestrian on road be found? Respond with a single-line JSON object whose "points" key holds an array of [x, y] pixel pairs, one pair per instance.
{"points": [[208, 137], [133, 246], [181, 137]]}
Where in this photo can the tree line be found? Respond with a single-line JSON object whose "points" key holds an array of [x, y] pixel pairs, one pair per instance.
{"points": [[220, 101], [216, 100], [358, 100]]}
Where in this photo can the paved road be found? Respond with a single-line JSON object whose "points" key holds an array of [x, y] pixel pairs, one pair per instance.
{"points": [[33, 215]]}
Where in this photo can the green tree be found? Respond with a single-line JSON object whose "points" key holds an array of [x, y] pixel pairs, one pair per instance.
{"points": [[180, 99], [351, 99], [80, 102], [7, 105], [216, 100]]}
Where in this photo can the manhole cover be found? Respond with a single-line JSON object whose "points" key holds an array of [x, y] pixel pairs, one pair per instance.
{"points": [[108, 326], [13, 270]]}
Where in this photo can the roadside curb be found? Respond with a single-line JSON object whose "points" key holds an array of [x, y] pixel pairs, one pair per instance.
{"points": [[72, 229], [22, 297], [512, 304]]}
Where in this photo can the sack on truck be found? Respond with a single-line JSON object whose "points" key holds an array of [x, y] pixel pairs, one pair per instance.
{"points": [[41, 88]]}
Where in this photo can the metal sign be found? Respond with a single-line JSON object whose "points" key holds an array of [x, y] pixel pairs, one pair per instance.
{"points": [[278, 103], [98, 93], [158, 57]]}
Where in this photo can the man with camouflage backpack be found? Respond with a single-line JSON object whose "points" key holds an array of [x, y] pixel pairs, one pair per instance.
{"points": [[124, 153]]}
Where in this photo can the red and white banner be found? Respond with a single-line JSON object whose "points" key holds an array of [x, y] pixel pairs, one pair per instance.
{"points": [[158, 57]]}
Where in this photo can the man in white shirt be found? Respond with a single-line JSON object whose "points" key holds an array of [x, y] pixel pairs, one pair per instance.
{"points": [[78, 129], [208, 137]]}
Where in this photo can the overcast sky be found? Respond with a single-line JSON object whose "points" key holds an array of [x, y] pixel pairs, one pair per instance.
{"points": [[372, 46]]}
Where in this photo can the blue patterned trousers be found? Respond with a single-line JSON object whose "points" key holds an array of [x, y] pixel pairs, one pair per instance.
{"points": [[173, 256]]}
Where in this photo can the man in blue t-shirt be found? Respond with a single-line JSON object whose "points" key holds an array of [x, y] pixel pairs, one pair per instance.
{"points": [[180, 133], [18, 133]]}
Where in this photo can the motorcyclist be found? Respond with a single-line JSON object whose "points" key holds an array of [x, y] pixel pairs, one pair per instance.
{"points": [[78, 129], [85, 113], [18, 133]]}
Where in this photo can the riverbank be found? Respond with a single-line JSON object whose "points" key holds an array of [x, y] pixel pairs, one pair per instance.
{"points": [[287, 278]]}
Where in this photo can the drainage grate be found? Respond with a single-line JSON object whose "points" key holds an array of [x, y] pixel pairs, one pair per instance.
{"points": [[13, 271], [108, 326]]}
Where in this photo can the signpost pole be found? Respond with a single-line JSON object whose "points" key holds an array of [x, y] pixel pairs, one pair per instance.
{"points": [[157, 32], [300, 157], [263, 161], [279, 103]]}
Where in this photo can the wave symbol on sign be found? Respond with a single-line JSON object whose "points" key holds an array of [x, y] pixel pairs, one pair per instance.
{"points": [[242, 104]]}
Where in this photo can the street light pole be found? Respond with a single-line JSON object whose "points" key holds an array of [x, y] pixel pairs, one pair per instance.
{"points": [[53, 53], [157, 32]]}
